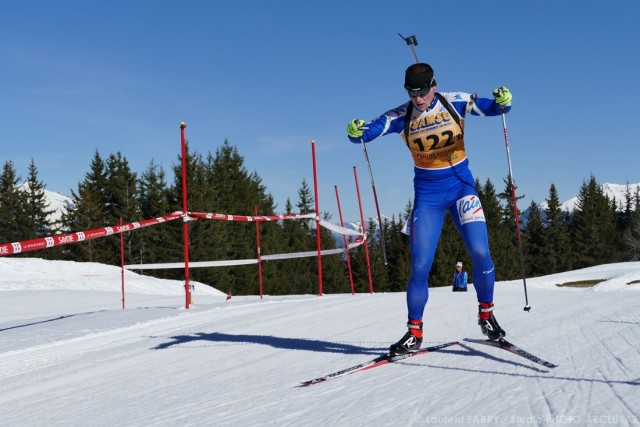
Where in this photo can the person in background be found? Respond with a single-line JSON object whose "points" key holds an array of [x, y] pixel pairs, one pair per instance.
{"points": [[460, 279], [432, 126]]}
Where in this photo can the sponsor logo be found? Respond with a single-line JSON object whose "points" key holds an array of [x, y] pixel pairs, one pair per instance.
{"points": [[65, 239], [430, 120], [470, 209], [411, 341]]}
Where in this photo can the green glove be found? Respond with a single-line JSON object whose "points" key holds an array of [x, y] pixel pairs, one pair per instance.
{"points": [[502, 96], [355, 128]]}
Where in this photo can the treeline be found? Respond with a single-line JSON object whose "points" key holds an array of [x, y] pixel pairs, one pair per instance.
{"points": [[217, 182], [597, 232], [553, 240]]}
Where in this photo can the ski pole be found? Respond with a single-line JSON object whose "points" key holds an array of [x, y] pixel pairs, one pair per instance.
{"points": [[411, 42], [375, 198], [515, 209]]}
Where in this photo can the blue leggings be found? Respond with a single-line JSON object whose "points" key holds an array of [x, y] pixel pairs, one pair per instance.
{"points": [[436, 192]]}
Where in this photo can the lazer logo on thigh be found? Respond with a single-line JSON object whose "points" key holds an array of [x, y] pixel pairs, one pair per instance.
{"points": [[470, 209]]}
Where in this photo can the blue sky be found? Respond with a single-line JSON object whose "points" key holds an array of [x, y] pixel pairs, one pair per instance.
{"points": [[269, 77]]}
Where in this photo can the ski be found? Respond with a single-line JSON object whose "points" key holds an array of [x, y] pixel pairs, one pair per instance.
{"points": [[374, 363], [506, 345]]}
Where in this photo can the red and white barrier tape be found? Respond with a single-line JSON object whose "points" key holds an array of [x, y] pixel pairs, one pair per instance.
{"points": [[65, 239]]}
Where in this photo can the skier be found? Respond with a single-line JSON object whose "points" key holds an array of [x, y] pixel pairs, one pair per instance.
{"points": [[432, 126], [460, 279]]}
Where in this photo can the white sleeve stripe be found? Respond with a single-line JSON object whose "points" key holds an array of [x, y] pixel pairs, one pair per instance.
{"points": [[475, 108], [387, 125]]}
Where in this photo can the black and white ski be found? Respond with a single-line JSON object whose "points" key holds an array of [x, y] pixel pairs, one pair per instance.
{"points": [[374, 363], [506, 345]]}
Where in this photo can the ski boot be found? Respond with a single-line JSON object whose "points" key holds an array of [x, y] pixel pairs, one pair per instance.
{"points": [[488, 323], [411, 341]]}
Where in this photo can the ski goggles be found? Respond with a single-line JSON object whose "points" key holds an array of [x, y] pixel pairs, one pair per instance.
{"points": [[419, 93]]}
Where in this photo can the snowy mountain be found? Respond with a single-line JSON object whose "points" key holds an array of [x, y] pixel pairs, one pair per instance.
{"points": [[615, 192], [70, 355], [58, 203]]}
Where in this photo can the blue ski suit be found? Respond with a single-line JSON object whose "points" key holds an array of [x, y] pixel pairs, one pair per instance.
{"points": [[442, 181]]}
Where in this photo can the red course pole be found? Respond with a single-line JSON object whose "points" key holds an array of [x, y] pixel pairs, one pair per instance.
{"points": [[259, 259], [122, 261], [346, 244], [185, 226], [364, 230], [319, 243]]}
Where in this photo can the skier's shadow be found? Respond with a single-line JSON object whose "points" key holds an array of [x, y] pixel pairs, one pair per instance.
{"points": [[619, 321], [269, 340], [48, 320], [470, 351]]}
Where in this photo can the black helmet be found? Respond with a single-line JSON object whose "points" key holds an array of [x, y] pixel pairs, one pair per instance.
{"points": [[419, 76]]}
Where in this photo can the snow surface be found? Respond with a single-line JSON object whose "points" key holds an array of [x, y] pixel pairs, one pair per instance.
{"points": [[70, 355]]}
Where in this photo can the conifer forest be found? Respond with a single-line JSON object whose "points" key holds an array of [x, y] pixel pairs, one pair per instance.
{"points": [[598, 231]]}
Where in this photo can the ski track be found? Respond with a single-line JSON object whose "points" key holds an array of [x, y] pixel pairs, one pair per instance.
{"points": [[199, 367]]}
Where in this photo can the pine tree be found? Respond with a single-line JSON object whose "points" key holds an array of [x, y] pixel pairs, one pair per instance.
{"points": [[594, 226], [294, 238], [512, 263], [221, 184], [399, 255], [504, 252], [376, 256], [37, 223], [207, 240], [271, 243], [450, 249], [631, 235], [237, 191], [624, 217], [269, 231], [557, 230], [305, 278], [13, 211], [154, 244], [121, 202], [535, 245], [334, 270], [87, 213]]}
